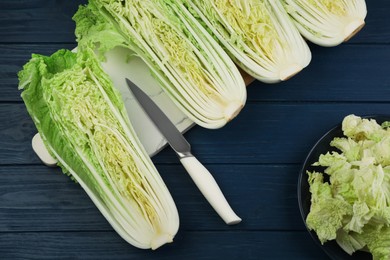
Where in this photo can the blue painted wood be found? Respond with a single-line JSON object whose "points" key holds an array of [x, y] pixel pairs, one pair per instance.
{"points": [[37, 21], [377, 28], [320, 81], [347, 73], [38, 198], [256, 158], [188, 245], [264, 132]]}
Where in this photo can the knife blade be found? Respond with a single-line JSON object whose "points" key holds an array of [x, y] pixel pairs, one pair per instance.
{"points": [[199, 174]]}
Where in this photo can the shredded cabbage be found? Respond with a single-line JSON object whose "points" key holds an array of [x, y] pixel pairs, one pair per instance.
{"points": [[350, 198], [327, 22], [83, 122], [258, 35]]}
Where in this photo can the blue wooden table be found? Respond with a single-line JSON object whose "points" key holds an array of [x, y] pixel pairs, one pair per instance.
{"points": [[256, 158]]}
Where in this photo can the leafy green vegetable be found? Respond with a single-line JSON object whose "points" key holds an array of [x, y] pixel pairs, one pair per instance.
{"points": [[190, 65], [327, 22], [257, 34], [83, 122], [350, 199]]}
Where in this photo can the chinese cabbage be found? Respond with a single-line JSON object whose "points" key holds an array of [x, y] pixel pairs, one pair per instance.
{"points": [[191, 67], [84, 125], [327, 22], [258, 35]]}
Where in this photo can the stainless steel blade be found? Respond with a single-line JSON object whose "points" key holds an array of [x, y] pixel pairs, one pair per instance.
{"points": [[173, 136]]}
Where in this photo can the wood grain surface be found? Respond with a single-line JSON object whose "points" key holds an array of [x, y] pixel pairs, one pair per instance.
{"points": [[256, 158]]}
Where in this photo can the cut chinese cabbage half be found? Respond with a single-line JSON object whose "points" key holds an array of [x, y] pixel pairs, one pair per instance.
{"points": [[84, 125], [327, 22], [258, 34], [191, 67]]}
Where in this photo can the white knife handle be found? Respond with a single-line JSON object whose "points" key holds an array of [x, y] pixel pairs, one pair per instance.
{"points": [[210, 189]]}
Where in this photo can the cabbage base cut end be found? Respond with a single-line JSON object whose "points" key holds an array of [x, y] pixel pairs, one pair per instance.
{"points": [[160, 240], [353, 28], [233, 109], [289, 72]]}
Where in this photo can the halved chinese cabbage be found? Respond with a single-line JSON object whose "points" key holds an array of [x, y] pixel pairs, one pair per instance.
{"points": [[83, 122], [327, 22], [258, 34], [191, 67]]}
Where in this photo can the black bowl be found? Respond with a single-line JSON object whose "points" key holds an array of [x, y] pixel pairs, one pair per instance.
{"points": [[331, 248]]}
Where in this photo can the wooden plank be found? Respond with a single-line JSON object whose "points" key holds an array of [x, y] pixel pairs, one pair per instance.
{"points": [[37, 21], [38, 198], [337, 74], [377, 28], [349, 73], [262, 133], [16, 132], [187, 245], [271, 132], [50, 21]]}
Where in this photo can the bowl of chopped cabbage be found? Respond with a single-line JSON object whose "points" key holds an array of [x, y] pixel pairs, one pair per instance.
{"points": [[344, 189]]}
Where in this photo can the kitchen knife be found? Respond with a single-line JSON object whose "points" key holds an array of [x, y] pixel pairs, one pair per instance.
{"points": [[199, 174]]}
